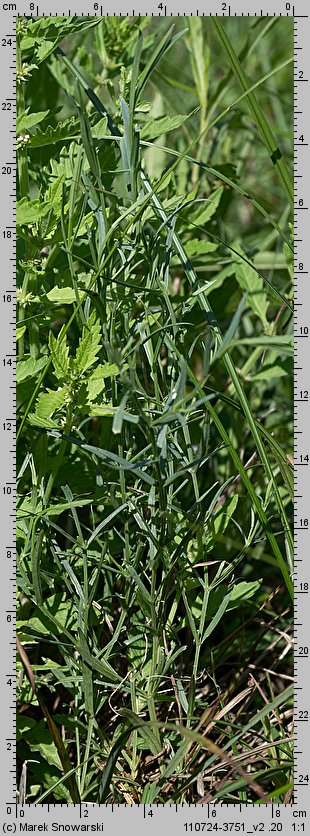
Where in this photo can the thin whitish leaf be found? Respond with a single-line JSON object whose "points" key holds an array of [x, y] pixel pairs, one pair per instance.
{"points": [[87, 676], [125, 144], [182, 696], [141, 586], [262, 123], [119, 415], [99, 665], [70, 498], [199, 53], [284, 343], [134, 78], [281, 699], [87, 139], [252, 283], [178, 392], [55, 510], [289, 258]]}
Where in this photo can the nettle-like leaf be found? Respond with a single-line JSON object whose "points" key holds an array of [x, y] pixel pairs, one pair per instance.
{"points": [[30, 211], [89, 345], [47, 404], [42, 423], [59, 354], [44, 34], [29, 368], [34, 211], [63, 132]]}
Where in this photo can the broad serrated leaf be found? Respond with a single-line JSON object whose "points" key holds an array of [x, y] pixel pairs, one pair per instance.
{"points": [[45, 34], [249, 280], [29, 120], [89, 345], [42, 423], [50, 401], [59, 354], [29, 368], [63, 132], [61, 295], [30, 211]]}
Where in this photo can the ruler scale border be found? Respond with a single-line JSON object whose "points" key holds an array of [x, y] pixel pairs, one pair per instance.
{"points": [[194, 818]]}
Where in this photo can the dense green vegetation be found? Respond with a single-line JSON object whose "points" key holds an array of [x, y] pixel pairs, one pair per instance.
{"points": [[154, 375]]}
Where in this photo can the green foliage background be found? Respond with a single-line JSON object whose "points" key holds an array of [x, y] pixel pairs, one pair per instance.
{"points": [[154, 379]]}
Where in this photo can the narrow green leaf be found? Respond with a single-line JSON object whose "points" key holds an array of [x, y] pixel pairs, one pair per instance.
{"points": [[257, 112], [251, 282]]}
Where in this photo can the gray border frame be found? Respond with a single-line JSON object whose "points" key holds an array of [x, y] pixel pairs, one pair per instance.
{"points": [[233, 817]]}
